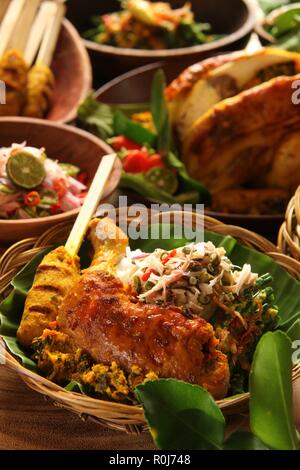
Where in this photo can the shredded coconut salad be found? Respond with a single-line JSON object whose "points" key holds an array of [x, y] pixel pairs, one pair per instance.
{"points": [[196, 277], [59, 191]]}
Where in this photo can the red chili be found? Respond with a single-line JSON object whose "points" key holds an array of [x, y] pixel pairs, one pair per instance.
{"points": [[147, 274], [121, 141], [169, 256], [59, 186], [55, 208], [32, 199]]}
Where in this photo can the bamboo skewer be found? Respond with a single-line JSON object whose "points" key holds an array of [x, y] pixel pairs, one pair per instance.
{"points": [[90, 204], [18, 41], [38, 31], [3, 7], [9, 23], [49, 41]]}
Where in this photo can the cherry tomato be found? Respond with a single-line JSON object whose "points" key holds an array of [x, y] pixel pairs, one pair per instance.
{"points": [[123, 142], [139, 161], [155, 161]]}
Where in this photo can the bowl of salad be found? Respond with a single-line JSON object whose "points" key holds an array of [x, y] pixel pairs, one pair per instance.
{"points": [[280, 26], [45, 172], [130, 33]]}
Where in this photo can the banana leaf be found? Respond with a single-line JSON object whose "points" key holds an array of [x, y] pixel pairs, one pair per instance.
{"points": [[286, 288]]}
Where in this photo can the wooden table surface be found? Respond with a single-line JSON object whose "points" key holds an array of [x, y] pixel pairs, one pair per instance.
{"points": [[29, 422]]}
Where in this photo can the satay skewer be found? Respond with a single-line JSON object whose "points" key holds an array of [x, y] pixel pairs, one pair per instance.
{"points": [[38, 30], [40, 78], [49, 41], [24, 24], [90, 204], [9, 23], [3, 7]]}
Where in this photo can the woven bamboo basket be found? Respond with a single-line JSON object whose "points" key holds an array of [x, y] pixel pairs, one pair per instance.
{"points": [[289, 233], [114, 415]]}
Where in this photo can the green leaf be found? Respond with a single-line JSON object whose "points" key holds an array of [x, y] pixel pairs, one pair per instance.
{"points": [[271, 397], [269, 5], [289, 41], [244, 441], [186, 182], [23, 280], [294, 331], [96, 117], [285, 324], [138, 183], [181, 416], [133, 130], [158, 108], [160, 113], [11, 310], [285, 22]]}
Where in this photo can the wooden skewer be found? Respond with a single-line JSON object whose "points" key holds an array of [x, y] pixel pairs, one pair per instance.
{"points": [[9, 23], [38, 30], [3, 7], [24, 24], [49, 41], [90, 204]]}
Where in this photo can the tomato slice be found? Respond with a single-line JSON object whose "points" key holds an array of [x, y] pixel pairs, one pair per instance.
{"points": [[139, 161], [121, 142]]}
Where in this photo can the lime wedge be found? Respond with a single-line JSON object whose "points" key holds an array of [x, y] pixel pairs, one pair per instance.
{"points": [[25, 170]]}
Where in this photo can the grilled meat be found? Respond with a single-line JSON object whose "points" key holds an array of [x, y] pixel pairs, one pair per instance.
{"points": [[108, 321], [55, 276], [39, 91], [13, 72]]}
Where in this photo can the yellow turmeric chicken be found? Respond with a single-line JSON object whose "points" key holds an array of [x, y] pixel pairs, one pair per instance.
{"points": [[13, 72]]}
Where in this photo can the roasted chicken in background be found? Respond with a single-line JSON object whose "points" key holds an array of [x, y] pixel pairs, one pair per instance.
{"points": [[239, 128]]}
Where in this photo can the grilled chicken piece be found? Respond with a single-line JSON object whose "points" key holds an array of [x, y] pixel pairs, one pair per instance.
{"points": [[109, 244], [203, 85], [55, 276], [13, 72], [251, 201], [39, 91], [285, 170], [227, 146], [108, 321]]}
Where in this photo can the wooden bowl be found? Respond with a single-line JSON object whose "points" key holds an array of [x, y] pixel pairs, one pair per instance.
{"points": [[135, 87], [64, 143], [234, 18], [73, 75]]}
